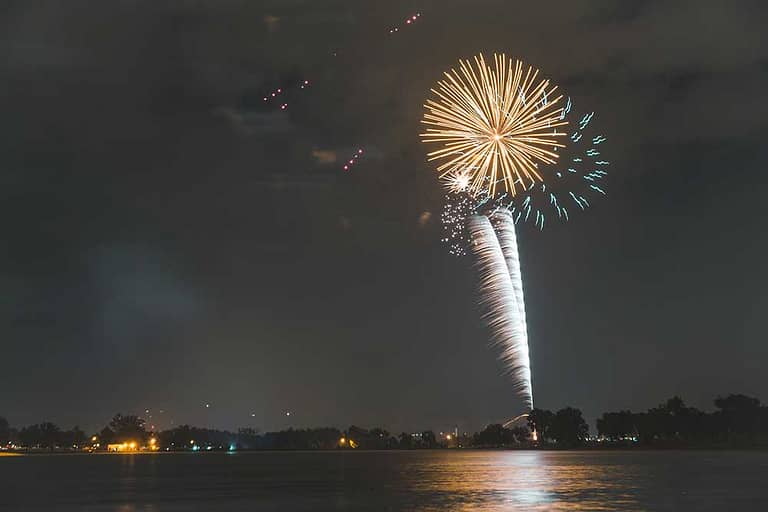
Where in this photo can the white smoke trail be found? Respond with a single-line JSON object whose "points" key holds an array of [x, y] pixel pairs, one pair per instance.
{"points": [[504, 225], [501, 295]]}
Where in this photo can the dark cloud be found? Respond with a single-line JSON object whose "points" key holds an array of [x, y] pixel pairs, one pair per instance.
{"points": [[170, 240], [252, 123]]}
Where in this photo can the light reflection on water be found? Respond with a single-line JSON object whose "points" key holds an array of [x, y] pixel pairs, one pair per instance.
{"points": [[531, 480], [419, 481]]}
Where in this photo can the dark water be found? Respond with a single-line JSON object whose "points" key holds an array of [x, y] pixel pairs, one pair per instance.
{"points": [[381, 481]]}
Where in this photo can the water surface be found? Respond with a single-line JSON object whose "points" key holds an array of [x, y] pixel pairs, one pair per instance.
{"points": [[420, 481]]}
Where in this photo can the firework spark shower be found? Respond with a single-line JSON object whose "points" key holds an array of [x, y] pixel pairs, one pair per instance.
{"points": [[493, 125], [502, 133]]}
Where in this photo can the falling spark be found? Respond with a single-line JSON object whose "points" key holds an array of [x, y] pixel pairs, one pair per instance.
{"points": [[494, 124], [353, 160], [410, 20], [279, 93], [574, 184], [457, 209]]}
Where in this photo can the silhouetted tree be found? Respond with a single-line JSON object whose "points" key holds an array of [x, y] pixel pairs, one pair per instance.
{"points": [[405, 441], [106, 436], [43, 435], [494, 435], [186, 437], [740, 418], [671, 421], [380, 439], [49, 435], [5, 431], [127, 428], [617, 425], [521, 434], [360, 436], [73, 438], [740, 412], [247, 438], [309, 439], [374, 439], [541, 420], [569, 428], [30, 436], [428, 439]]}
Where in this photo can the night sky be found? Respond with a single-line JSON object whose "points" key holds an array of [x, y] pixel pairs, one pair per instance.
{"points": [[169, 241]]}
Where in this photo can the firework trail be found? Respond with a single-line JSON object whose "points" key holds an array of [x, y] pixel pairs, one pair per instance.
{"points": [[349, 163], [410, 20], [510, 150], [495, 124], [501, 295], [277, 95], [571, 185]]}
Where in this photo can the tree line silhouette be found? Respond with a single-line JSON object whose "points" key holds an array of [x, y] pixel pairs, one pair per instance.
{"points": [[737, 421], [47, 436]]}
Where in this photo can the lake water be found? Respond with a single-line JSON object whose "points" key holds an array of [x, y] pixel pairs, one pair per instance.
{"points": [[419, 481]]}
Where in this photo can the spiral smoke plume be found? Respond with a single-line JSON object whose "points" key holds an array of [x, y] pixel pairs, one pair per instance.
{"points": [[501, 295]]}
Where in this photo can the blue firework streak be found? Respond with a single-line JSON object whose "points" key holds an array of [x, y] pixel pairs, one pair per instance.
{"points": [[570, 186]]}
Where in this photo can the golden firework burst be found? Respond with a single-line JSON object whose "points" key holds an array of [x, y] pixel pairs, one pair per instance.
{"points": [[494, 124]]}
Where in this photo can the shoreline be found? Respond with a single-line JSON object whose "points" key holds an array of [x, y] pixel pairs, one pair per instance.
{"points": [[758, 449]]}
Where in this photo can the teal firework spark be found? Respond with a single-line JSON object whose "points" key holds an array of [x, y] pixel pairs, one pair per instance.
{"points": [[568, 186], [572, 183]]}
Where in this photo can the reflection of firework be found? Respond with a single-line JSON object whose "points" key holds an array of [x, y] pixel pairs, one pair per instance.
{"points": [[494, 125]]}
